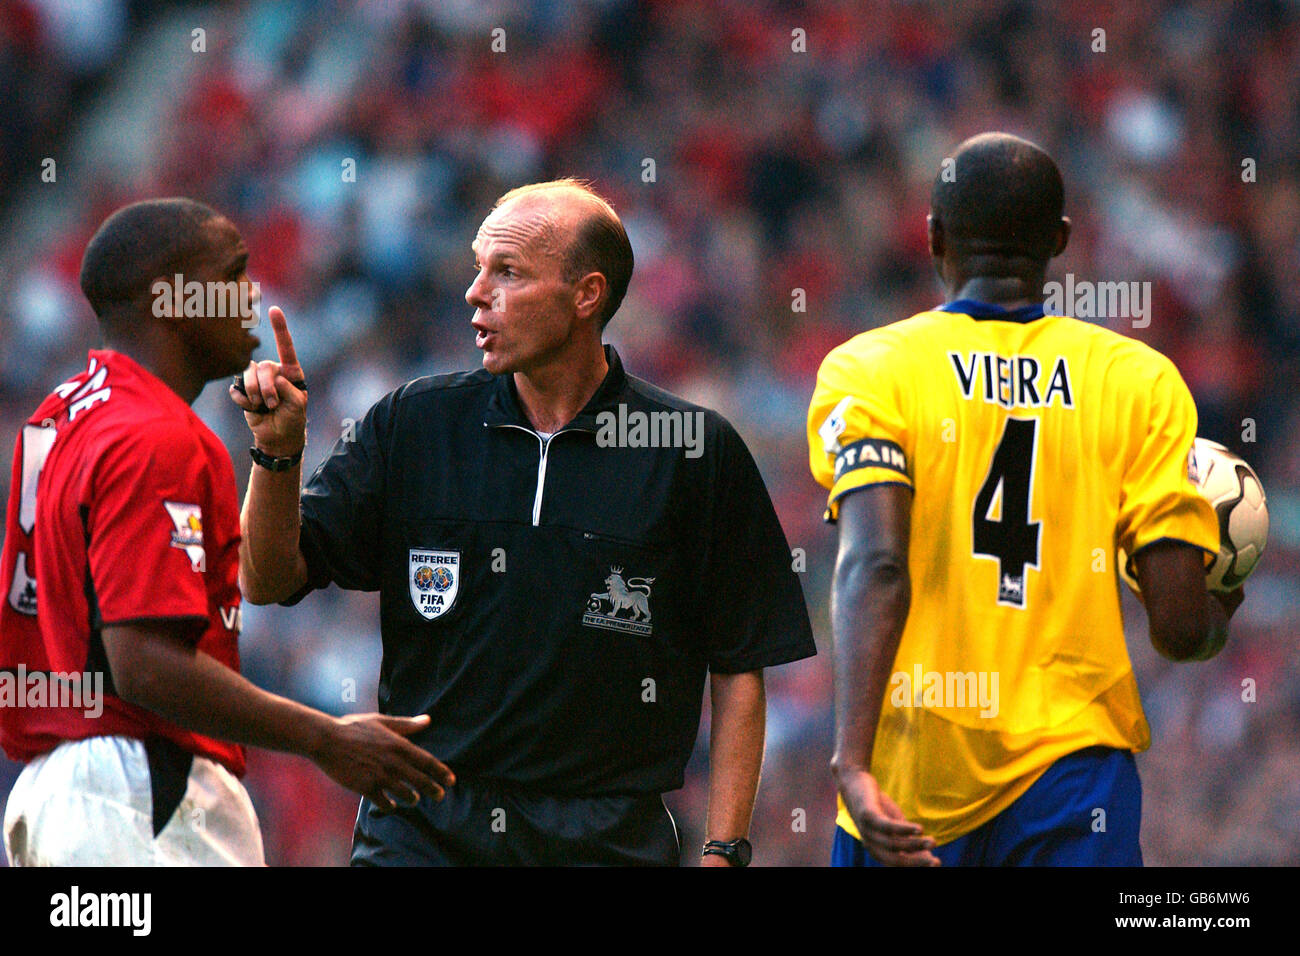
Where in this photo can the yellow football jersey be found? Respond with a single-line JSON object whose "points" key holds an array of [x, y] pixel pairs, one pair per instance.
{"points": [[1034, 446]]}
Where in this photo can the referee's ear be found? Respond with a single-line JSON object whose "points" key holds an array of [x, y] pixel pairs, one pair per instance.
{"points": [[589, 294]]}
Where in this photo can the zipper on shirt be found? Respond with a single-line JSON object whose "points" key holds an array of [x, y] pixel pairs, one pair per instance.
{"points": [[544, 445], [541, 478]]}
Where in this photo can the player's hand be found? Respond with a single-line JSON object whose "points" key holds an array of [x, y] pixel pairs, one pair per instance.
{"points": [[886, 833], [369, 753], [275, 409]]}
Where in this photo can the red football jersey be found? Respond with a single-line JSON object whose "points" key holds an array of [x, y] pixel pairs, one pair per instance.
{"points": [[122, 509]]}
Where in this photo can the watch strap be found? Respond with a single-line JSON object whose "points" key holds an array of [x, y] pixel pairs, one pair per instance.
{"points": [[736, 852], [271, 462]]}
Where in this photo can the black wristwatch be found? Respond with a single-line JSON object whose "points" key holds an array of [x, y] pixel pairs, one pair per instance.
{"points": [[737, 852], [271, 462]]}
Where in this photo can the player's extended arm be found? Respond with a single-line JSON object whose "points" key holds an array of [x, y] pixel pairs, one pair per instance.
{"points": [[154, 667], [271, 566], [739, 704], [1187, 622], [870, 599]]}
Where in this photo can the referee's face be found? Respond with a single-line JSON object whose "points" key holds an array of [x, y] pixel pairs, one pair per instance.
{"points": [[524, 310]]}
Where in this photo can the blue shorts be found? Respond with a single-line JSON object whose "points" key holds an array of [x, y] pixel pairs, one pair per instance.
{"points": [[1054, 823]]}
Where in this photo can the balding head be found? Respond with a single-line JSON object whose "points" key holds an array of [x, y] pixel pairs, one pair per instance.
{"points": [[566, 219]]}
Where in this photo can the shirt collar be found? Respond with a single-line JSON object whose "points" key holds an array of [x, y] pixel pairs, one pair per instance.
{"points": [[503, 406], [978, 310], [123, 364]]}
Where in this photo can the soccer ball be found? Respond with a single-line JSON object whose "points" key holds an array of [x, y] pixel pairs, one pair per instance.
{"points": [[1237, 496]]}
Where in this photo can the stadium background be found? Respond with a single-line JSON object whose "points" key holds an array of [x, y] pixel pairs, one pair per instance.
{"points": [[775, 170]]}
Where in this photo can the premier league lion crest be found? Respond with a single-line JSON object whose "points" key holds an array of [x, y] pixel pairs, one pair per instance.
{"points": [[631, 595], [434, 579]]}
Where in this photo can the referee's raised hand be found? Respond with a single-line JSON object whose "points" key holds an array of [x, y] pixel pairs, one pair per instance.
{"points": [[273, 396]]}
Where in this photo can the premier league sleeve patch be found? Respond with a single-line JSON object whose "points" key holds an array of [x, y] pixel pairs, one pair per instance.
{"points": [[434, 580], [187, 533]]}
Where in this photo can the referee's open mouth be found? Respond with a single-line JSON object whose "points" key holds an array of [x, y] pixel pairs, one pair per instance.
{"points": [[483, 335]]}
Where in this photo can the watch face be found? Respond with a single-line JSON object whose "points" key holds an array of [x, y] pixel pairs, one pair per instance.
{"points": [[744, 852]]}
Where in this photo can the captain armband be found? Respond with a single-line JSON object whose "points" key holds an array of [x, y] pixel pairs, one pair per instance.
{"points": [[870, 453]]}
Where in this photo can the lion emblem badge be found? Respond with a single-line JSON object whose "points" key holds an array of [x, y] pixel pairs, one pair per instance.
{"points": [[630, 595]]}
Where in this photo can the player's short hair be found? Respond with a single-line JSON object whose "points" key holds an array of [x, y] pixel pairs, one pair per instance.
{"points": [[1002, 195], [137, 244], [600, 245]]}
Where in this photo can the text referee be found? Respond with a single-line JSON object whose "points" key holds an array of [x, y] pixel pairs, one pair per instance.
{"points": [[553, 590]]}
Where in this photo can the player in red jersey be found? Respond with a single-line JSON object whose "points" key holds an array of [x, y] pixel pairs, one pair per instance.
{"points": [[119, 657]]}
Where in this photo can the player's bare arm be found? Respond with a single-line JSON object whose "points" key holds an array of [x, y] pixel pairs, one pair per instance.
{"points": [[155, 667], [271, 567], [1187, 622], [870, 598], [739, 704]]}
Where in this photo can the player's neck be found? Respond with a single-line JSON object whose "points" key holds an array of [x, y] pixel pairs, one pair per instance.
{"points": [[551, 395], [161, 361], [1009, 292]]}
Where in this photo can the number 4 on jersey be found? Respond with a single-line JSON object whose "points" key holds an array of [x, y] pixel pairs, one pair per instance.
{"points": [[1011, 538]]}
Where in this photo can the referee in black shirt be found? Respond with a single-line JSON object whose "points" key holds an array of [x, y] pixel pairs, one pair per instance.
{"points": [[555, 583]]}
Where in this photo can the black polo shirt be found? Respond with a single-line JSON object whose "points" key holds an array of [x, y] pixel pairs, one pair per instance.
{"points": [[553, 604]]}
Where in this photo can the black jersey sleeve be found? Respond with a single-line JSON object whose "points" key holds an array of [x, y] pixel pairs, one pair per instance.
{"points": [[343, 510], [758, 617]]}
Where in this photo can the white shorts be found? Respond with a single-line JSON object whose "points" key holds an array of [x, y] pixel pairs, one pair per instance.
{"points": [[91, 803]]}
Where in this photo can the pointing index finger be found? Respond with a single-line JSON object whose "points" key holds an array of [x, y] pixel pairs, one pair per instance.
{"points": [[284, 344]]}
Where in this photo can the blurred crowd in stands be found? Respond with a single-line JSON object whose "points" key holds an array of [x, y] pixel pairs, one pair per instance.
{"points": [[772, 162]]}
